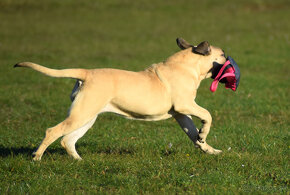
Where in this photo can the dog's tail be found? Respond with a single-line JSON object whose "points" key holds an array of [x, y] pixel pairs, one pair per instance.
{"points": [[80, 74]]}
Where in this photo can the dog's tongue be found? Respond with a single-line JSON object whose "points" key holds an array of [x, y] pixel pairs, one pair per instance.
{"points": [[228, 74]]}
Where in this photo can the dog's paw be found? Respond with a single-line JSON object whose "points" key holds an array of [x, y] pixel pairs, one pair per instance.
{"points": [[211, 150], [36, 157], [207, 148], [216, 151], [77, 157]]}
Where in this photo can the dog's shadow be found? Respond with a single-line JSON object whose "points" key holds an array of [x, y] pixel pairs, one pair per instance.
{"points": [[6, 151]]}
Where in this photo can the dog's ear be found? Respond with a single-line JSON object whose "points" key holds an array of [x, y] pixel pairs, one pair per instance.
{"points": [[182, 44], [203, 48]]}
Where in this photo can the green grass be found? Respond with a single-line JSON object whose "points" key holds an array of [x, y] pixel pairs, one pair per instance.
{"points": [[251, 125]]}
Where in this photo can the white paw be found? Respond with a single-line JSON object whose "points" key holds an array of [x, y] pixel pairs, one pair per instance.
{"points": [[216, 151], [77, 157], [36, 157], [207, 148]]}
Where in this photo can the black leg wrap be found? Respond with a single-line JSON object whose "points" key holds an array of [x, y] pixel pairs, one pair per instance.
{"points": [[187, 126], [75, 90]]}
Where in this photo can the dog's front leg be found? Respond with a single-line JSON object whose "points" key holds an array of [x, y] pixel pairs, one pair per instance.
{"points": [[186, 123], [206, 119]]}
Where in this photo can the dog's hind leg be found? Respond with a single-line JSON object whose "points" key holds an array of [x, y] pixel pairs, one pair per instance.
{"points": [[66, 127], [69, 140], [82, 115]]}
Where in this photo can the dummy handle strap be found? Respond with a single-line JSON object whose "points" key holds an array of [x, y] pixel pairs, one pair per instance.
{"points": [[215, 82]]}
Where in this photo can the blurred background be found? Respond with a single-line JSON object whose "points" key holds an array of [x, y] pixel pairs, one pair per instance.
{"points": [[132, 35]]}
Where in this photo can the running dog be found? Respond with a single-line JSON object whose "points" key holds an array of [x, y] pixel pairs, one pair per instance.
{"points": [[166, 89]]}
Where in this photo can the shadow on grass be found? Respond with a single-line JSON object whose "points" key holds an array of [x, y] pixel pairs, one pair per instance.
{"points": [[119, 151], [6, 151], [26, 151], [108, 150]]}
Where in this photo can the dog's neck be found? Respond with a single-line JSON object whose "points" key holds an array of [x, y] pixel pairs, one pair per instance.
{"points": [[180, 63], [187, 61]]}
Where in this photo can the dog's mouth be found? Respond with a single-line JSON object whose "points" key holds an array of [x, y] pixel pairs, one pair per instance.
{"points": [[228, 73], [215, 70]]}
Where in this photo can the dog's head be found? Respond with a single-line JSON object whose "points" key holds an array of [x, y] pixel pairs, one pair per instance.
{"points": [[213, 63], [210, 58]]}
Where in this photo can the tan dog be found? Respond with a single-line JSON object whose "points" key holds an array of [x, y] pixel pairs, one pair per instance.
{"points": [[161, 91]]}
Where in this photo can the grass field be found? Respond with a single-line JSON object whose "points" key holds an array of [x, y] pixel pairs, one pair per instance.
{"points": [[251, 125]]}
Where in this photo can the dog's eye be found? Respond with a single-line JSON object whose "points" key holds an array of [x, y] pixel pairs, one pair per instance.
{"points": [[224, 55]]}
